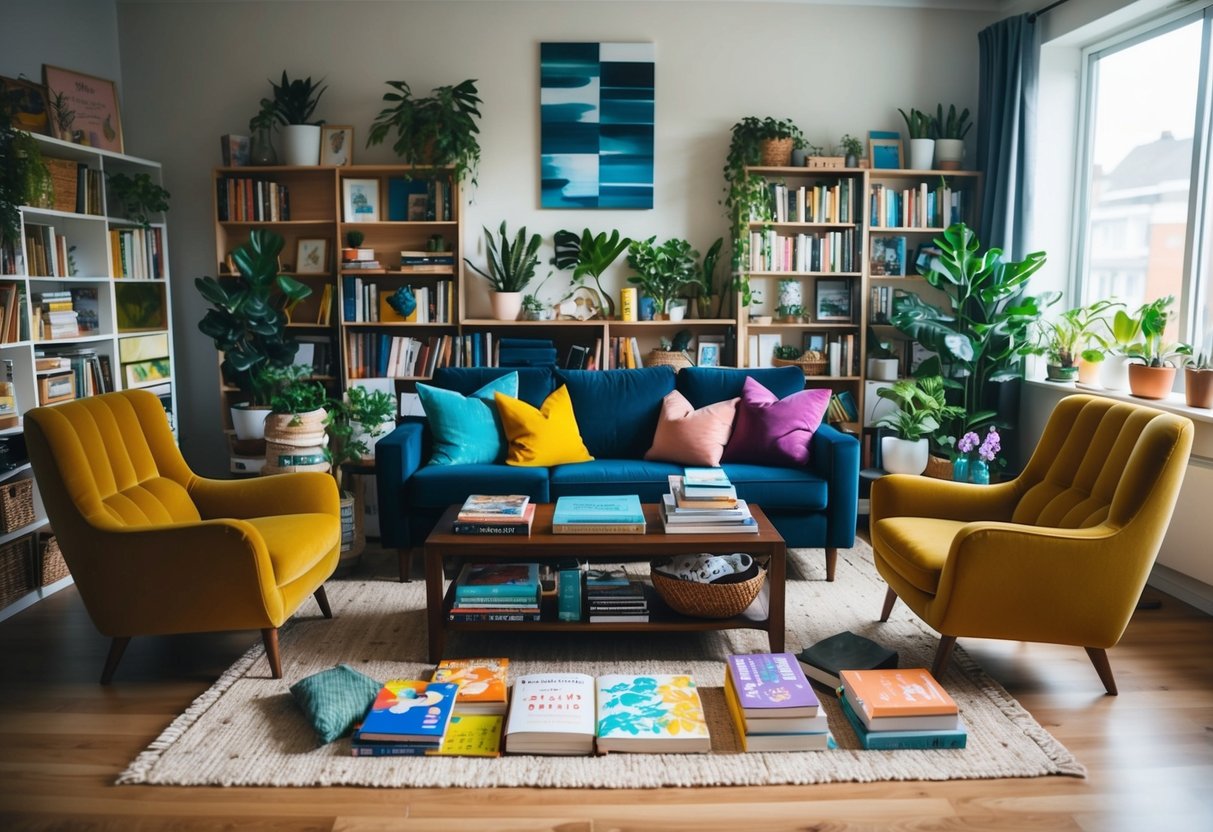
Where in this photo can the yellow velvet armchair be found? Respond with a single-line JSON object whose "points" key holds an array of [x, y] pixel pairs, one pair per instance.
{"points": [[155, 549], [1058, 555]]}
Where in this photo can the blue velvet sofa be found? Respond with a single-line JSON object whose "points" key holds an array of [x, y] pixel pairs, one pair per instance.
{"points": [[617, 413]]}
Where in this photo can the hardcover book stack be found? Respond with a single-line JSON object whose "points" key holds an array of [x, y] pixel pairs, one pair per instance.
{"points": [[598, 515], [510, 514], [414, 718], [483, 684], [496, 592], [772, 704], [825, 660], [907, 708], [703, 501], [612, 596]]}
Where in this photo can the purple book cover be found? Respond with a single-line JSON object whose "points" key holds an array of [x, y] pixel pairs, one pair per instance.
{"points": [[772, 681]]}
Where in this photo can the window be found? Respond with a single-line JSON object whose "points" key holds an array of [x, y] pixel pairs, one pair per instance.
{"points": [[1146, 228]]}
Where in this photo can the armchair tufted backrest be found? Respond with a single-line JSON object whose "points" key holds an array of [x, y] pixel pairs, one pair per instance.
{"points": [[1101, 460]]}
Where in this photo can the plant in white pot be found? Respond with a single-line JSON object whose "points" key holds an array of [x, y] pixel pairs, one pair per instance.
{"points": [[372, 416], [950, 133], [293, 103], [512, 266], [922, 146], [921, 409]]}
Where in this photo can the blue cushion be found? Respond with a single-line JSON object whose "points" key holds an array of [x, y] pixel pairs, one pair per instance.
{"points": [[466, 430], [648, 480], [617, 410], [706, 385], [335, 700], [437, 486], [534, 383], [775, 487]]}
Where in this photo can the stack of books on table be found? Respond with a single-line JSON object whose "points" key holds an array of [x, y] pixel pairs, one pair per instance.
{"points": [[901, 708], [496, 592], [721, 514], [509, 514], [414, 718], [611, 596], [773, 706], [608, 514]]}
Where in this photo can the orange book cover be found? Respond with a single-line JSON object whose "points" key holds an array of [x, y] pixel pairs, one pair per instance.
{"points": [[479, 680], [897, 692]]}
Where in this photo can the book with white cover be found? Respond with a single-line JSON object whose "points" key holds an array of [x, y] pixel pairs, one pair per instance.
{"points": [[551, 713]]}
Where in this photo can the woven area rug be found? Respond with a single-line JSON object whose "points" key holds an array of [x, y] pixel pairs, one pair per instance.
{"points": [[246, 730]]}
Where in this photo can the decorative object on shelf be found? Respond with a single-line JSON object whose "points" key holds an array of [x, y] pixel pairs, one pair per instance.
{"points": [[294, 103], [921, 410], [16, 505], [353, 242], [816, 159], [1198, 381], [28, 104], [403, 301], [832, 299], [1126, 329], [949, 137], [810, 362], [247, 319], [261, 130], [1154, 376], [596, 103], [94, 101], [709, 599], [647, 307], [438, 130], [882, 358], [582, 304], [138, 196], [591, 255], [511, 267], [336, 145], [976, 469], [360, 200], [790, 293], [852, 149], [922, 146], [662, 271], [884, 148], [312, 256]]}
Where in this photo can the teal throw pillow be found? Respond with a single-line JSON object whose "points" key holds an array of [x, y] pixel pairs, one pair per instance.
{"points": [[335, 700], [467, 429]]}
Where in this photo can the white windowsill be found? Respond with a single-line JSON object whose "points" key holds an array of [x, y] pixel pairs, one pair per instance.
{"points": [[1174, 403]]}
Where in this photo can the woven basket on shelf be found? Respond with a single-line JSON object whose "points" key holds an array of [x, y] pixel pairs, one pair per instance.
{"points": [[16, 504], [63, 177], [53, 566], [14, 570], [668, 358], [707, 600], [809, 366], [776, 152]]}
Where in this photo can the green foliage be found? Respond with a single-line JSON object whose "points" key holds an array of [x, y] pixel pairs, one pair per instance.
{"points": [[661, 271], [370, 408], [342, 446], [354, 238], [293, 101], [138, 196], [247, 321], [591, 255], [1200, 361], [511, 264], [439, 130], [24, 177], [1152, 350], [787, 352], [986, 330], [918, 123], [850, 145], [266, 118], [704, 278], [922, 407], [879, 347], [61, 112], [953, 126], [291, 390], [1069, 336]]}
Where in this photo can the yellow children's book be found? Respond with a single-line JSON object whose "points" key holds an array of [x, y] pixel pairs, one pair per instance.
{"points": [[483, 684]]}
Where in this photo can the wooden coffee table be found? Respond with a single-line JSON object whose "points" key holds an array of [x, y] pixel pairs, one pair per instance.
{"points": [[766, 613]]}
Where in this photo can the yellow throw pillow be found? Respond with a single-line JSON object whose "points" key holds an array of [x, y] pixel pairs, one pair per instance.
{"points": [[547, 436]]}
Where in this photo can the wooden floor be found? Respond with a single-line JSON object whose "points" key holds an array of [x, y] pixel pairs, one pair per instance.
{"points": [[1149, 751]]}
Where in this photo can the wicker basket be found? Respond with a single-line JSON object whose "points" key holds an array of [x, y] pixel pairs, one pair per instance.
{"points": [[707, 600], [938, 467], [668, 358], [53, 566], [809, 366], [16, 504], [777, 152], [14, 570], [63, 177]]}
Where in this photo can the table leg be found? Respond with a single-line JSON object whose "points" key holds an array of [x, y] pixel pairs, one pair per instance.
{"points": [[433, 603], [776, 575]]}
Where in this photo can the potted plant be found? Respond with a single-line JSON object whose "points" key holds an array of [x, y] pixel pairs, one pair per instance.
{"points": [[1152, 371], [591, 255], [353, 241], [1198, 381], [1124, 331], [661, 271], [138, 196], [789, 313], [511, 267], [949, 133], [921, 410], [371, 415], [24, 179], [294, 428], [882, 358], [852, 150], [247, 322], [342, 447], [439, 130], [922, 145], [1066, 340], [293, 104], [703, 281]]}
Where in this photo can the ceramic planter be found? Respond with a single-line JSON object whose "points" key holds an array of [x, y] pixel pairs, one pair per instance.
{"points": [[1150, 382], [882, 369], [301, 144], [901, 456], [506, 305], [1114, 374], [371, 434], [1089, 372], [1198, 387], [249, 422], [1060, 372], [922, 153], [949, 153]]}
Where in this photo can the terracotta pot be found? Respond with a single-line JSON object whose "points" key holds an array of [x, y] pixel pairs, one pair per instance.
{"points": [[1198, 388], [1150, 382], [1088, 373]]}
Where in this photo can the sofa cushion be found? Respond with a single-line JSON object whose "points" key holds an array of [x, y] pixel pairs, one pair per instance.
{"points": [[917, 547], [617, 410], [776, 487], [704, 385], [466, 429], [772, 430], [648, 480], [534, 383], [689, 436], [438, 486], [544, 436]]}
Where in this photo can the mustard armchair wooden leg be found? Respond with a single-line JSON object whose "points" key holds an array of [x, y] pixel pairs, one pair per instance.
{"points": [[117, 648], [1099, 658], [269, 635], [831, 563], [322, 600], [890, 598], [403, 556], [943, 654]]}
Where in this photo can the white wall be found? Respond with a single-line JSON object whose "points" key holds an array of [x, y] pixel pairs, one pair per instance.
{"points": [[74, 34], [194, 71]]}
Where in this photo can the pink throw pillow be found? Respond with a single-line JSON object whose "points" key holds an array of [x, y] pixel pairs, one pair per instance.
{"points": [[774, 431], [689, 436]]}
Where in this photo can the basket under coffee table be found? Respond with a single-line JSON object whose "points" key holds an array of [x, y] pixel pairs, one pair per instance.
{"points": [[766, 613]]}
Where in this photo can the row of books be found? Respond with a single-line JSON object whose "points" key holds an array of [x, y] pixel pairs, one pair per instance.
{"points": [[369, 302], [887, 256], [842, 408], [370, 354], [917, 207], [507, 514], [824, 203], [47, 254], [250, 199], [91, 372], [882, 304], [612, 596], [137, 253], [66, 313], [420, 200], [496, 592], [13, 324], [772, 705], [831, 251]]}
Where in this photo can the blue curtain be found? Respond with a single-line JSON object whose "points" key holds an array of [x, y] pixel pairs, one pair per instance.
{"points": [[1006, 123]]}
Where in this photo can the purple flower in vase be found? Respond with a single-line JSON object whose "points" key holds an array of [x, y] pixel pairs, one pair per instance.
{"points": [[990, 446], [968, 442]]}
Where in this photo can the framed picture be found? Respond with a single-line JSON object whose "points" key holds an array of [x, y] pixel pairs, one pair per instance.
{"points": [[815, 342], [28, 103], [93, 103], [832, 299], [361, 200], [927, 258], [312, 257], [884, 148], [336, 145], [709, 351]]}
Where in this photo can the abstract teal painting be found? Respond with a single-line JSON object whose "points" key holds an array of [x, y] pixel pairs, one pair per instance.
{"points": [[596, 125]]}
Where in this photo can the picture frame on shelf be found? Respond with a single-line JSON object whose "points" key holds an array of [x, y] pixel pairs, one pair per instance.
{"points": [[312, 256], [95, 104], [336, 145], [360, 200], [884, 149], [832, 300], [815, 342], [28, 103], [926, 257], [709, 351]]}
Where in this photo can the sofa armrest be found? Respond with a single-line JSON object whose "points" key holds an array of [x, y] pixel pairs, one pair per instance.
{"points": [[397, 457], [834, 456]]}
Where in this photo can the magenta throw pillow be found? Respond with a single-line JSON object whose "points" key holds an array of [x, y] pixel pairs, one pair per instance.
{"points": [[773, 431], [689, 436]]}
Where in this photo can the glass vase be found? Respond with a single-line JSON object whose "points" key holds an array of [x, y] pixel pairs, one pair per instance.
{"points": [[979, 472], [960, 469], [261, 149]]}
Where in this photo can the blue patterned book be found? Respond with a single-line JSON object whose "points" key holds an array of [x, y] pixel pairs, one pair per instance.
{"points": [[605, 509], [410, 711], [506, 580]]}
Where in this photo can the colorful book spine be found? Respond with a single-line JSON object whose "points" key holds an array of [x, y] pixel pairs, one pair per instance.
{"points": [[900, 740]]}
